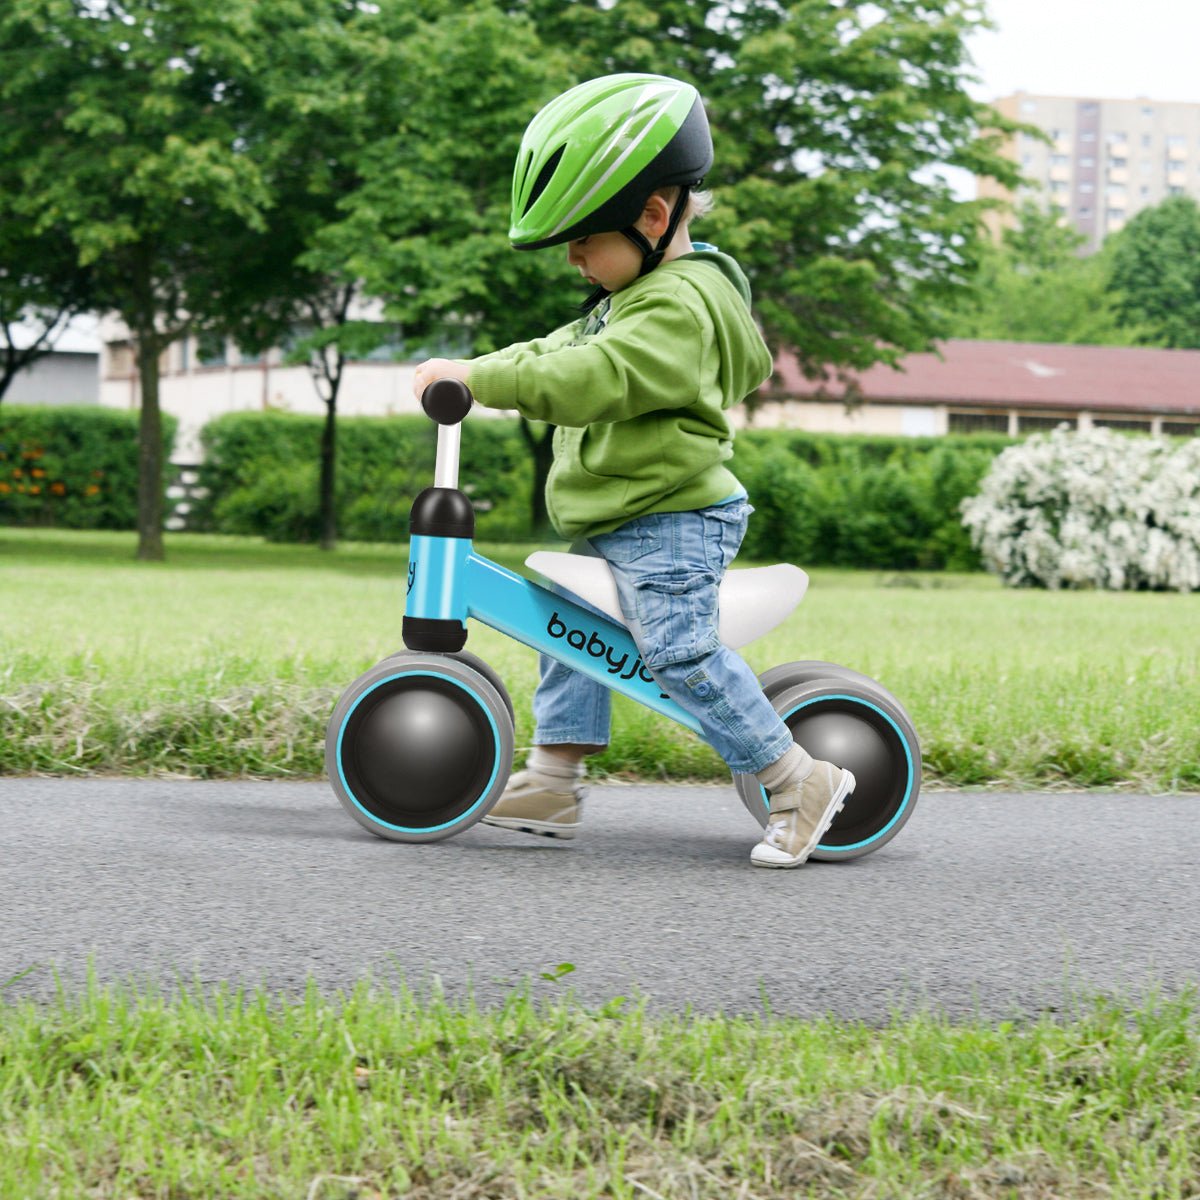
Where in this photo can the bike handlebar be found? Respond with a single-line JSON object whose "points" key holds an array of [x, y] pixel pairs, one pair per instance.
{"points": [[447, 401]]}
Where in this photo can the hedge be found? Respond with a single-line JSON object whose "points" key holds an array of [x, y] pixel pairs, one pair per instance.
{"points": [[820, 499], [261, 470], [862, 501], [75, 467]]}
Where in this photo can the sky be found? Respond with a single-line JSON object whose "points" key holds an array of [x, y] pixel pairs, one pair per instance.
{"points": [[1100, 49], [1095, 49]]}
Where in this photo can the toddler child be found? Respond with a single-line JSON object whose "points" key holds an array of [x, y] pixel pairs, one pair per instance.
{"points": [[639, 390]]}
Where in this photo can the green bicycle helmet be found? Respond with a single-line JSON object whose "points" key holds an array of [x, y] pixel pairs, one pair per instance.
{"points": [[591, 158]]}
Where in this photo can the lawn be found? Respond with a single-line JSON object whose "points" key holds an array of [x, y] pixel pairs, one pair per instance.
{"points": [[227, 659], [374, 1095]]}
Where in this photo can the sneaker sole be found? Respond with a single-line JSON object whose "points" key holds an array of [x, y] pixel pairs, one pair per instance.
{"points": [[537, 828], [786, 861]]}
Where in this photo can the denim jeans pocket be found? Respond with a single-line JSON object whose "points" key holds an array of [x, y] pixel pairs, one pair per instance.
{"points": [[724, 529], [677, 614]]}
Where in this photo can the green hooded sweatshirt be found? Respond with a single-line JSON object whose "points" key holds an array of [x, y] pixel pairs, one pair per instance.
{"points": [[640, 394]]}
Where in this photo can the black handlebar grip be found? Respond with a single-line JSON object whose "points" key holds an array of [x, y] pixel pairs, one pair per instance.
{"points": [[447, 401]]}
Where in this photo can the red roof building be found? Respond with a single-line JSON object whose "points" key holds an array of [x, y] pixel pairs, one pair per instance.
{"points": [[1006, 387]]}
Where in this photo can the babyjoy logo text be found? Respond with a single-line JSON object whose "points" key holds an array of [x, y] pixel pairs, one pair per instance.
{"points": [[597, 647]]}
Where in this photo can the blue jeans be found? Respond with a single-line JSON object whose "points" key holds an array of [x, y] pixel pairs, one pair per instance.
{"points": [[668, 567]]}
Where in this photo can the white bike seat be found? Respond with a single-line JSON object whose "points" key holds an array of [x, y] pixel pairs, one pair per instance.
{"points": [[751, 602]]}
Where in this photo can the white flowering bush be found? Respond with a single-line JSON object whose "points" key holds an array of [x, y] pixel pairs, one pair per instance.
{"points": [[1092, 509]]}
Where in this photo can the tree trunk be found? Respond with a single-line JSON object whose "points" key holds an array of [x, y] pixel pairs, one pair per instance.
{"points": [[328, 506], [150, 453], [542, 450]]}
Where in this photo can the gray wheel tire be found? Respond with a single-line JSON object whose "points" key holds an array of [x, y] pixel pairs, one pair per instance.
{"points": [[419, 747], [788, 675], [854, 721], [471, 660]]}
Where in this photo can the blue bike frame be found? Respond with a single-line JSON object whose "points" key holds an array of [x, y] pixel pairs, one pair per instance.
{"points": [[448, 581]]}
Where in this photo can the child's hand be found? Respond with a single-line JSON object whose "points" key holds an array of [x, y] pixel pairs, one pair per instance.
{"points": [[438, 368]]}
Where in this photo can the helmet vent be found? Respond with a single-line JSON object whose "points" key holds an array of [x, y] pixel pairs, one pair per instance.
{"points": [[544, 177]]}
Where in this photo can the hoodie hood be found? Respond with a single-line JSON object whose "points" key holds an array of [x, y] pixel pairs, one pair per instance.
{"points": [[725, 291]]}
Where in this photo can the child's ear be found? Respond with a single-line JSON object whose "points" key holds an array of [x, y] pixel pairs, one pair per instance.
{"points": [[656, 216]]}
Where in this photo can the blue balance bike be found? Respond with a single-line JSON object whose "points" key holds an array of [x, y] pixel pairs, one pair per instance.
{"points": [[421, 745]]}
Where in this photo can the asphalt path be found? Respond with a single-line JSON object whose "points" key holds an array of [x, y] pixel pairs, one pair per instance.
{"points": [[985, 904]]}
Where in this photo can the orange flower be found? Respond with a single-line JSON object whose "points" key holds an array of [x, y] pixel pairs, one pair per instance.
{"points": [[4, 489], [35, 489], [38, 473], [92, 489], [17, 472], [59, 489]]}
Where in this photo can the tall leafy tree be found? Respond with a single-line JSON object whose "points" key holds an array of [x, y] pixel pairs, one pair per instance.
{"points": [[427, 230], [1036, 285], [1155, 275], [831, 119], [124, 127]]}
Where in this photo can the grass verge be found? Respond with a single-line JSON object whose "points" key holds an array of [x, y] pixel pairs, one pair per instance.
{"points": [[227, 660], [228, 1093]]}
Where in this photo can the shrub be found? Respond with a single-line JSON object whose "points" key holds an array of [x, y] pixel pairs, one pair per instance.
{"points": [[1094, 509], [75, 467], [885, 502], [261, 471]]}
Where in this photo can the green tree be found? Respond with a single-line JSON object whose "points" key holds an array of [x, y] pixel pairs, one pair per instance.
{"points": [[124, 128], [1155, 276], [1037, 286], [426, 231], [830, 121]]}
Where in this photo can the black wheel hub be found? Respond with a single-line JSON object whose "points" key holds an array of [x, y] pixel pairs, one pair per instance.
{"points": [[861, 738], [418, 751]]}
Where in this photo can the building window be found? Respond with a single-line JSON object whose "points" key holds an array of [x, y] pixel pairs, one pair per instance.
{"points": [[1086, 162], [1147, 141], [1088, 135], [1148, 111], [1028, 107], [120, 360], [210, 350], [1180, 428], [185, 346], [1031, 423], [1129, 424], [977, 422]]}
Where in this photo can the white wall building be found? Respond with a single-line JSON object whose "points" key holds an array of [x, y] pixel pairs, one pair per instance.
{"points": [[69, 374], [200, 380]]}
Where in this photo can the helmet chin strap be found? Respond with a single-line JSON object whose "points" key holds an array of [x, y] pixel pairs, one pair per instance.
{"points": [[651, 255]]}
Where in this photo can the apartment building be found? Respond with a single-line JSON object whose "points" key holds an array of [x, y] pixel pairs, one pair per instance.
{"points": [[1106, 159]]}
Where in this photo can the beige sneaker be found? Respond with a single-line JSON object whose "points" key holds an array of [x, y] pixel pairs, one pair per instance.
{"points": [[529, 806], [801, 815]]}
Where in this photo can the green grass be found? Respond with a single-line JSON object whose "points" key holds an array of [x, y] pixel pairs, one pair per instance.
{"points": [[227, 659], [231, 1094]]}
